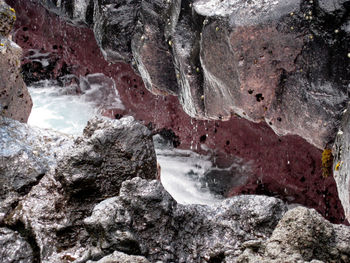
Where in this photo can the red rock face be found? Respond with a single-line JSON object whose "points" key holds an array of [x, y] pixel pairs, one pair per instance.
{"points": [[287, 167]]}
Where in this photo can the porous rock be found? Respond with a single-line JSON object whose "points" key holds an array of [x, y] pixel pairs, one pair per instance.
{"points": [[26, 155], [282, 62], [14, 248], [15, 101], [341, 163], [302, 235], [108, 153], [277, 65], [145, 220]]}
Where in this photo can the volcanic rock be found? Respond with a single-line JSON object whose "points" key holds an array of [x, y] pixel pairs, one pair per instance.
{"points": [[26, 155], [15, 101], [14, 248], [93, 169], [302, 235], [119, 257], [78, 12], [144, 219], [341, 163]]}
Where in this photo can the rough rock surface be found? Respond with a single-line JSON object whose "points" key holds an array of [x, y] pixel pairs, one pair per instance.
{"points": [[295, 176], [119, 257], [341, 163], [26, 155], [15, 101], [14, 248], [144, 219], [93, 169], [263, 60], [302, 235], [77, 11], [114, 25]]}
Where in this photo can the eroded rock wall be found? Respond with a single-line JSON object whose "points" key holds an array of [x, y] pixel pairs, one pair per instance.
{"points": [[288, 167], [282, 62]]}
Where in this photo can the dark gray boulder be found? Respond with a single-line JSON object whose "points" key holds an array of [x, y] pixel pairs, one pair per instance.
{"points": [[114, 26], [14, 248], [151, 45], [145, 220], [79, 12], [26, 155], [92, 170]]}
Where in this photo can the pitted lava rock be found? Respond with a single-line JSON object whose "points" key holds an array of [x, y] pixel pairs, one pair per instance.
{"points": [[288, 167]]}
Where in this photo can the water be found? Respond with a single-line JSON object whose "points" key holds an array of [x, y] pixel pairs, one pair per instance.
{"points": [[62, 109]]}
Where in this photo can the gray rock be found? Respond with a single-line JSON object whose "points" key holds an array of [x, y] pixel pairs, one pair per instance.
{"points": [[13, 248], [144, 219], [26, 155], [119, 257], [114, 26], [331, 5], [151, 45], [78, 12], [92, 170], [341, 163], [302, 235]]}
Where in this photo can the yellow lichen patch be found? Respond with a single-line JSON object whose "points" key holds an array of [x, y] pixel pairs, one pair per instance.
{"points": [[337, 166], [327, 162], [12, 10]]}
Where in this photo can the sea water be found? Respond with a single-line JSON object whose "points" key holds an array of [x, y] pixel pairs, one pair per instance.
{"points": [[68, 109]]}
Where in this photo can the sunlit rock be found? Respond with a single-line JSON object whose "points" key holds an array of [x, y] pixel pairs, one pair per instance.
{"points": [[15, 101], [341, 163]]}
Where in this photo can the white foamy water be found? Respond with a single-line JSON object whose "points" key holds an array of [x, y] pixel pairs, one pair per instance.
{"points": [[61, 109]]}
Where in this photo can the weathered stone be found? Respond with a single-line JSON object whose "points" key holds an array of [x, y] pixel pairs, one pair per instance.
{"points": [[77, 11], [302, 235], [15, 101], [268, 72], [144, 219], [295, 175], [14, 248], [7, 19], [119, 257], [108, 153], [26, 155], [114, 26], [341, 163], [151, 45], [186, 49]]}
